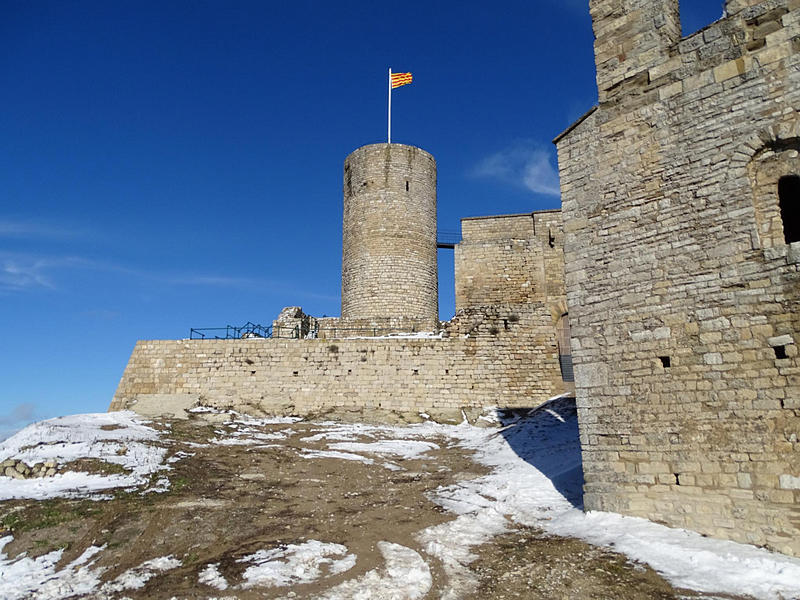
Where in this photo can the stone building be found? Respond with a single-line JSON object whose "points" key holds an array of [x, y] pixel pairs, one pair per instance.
{"points": [[388, 351], [681, 200]]}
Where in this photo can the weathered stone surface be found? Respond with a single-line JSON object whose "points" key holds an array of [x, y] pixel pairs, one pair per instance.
{"points": [[389, 234], [477, 364], [672, 220]]}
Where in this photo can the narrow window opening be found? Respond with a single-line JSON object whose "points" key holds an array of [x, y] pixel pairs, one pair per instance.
{"points": [[505, 324], [789, 200], [294, 373], [406, 184], [552, 240], [677, 479], [252, 372], [665, 361], [780, 352], [416, 371], [564, 348]]}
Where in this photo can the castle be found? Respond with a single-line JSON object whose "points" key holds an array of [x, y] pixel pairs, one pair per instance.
{"points": [[388, 352], [676, 264]]}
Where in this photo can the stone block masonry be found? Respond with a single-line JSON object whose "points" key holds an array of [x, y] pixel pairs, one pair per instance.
{"points": [[389, 234], [503, 356], [683, 289], [511, 259]]}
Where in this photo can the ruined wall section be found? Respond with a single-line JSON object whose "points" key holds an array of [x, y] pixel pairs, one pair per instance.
{"points": [[495, 358], [684, 303]]}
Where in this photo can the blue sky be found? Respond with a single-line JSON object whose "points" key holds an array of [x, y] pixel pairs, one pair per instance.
{"points": [[167, 165]]}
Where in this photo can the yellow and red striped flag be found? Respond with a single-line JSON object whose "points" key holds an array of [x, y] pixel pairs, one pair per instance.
{"points": [[399, 79]]}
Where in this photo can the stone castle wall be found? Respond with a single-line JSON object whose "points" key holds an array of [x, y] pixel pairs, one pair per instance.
{"points": [[389, 234], [499, 356], [684, 296]]}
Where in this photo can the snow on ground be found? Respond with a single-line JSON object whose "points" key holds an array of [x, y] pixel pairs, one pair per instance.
{"points": [[535, 480], [37, 578], [296, 563], [333, 454], [136, 578], [406, 449], [211, 576], [405, 576], [119, 438]]}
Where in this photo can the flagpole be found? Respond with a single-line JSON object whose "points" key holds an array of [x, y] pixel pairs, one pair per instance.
{"points": [[389, 126]]}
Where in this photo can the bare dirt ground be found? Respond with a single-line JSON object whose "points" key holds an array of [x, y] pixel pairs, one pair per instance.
{"points": [[227, 501]]}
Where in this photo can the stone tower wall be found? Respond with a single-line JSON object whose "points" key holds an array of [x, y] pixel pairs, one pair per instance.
{"points": [[389, 234], [684, 297]]}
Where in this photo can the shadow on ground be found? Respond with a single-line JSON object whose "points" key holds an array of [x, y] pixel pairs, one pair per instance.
{"points": [[547, 438]]}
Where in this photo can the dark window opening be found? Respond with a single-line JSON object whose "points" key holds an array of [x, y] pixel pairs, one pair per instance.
{"points": [[789, 200], [564, 349], [552, 240], [416, 371], [665, 361], [294, 373], [406, 185], [677, 478], [780, 352]]}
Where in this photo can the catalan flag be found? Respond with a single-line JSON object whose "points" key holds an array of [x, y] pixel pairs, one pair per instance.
{"points": [[395, 81], [399, 79]]}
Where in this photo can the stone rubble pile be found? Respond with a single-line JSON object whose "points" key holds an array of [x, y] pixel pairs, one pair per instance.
{"points": [[17, 469]]}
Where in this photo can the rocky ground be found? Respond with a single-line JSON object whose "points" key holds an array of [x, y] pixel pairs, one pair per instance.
{"points": [[254, 509]]}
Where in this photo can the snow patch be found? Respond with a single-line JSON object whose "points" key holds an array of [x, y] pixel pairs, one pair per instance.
{"points": [[212, 577], [136, 578], [307, 453], [405, 449], [296, 563], [37, 578], [119, 438], [404, 576]]}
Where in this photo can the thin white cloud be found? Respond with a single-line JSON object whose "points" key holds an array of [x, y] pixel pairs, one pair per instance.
{"points": [[30, 229], [22, 272], [528, 165]]}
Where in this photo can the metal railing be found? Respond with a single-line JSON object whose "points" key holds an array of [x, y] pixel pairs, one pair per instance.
{"points": [[229, 332], [254, 331]]}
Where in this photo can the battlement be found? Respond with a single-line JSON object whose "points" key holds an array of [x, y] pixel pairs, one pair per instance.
{"points": [[639, 52]]}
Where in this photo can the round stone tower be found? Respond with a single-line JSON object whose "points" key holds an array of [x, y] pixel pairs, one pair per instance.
{"points": [[389, 234]]}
